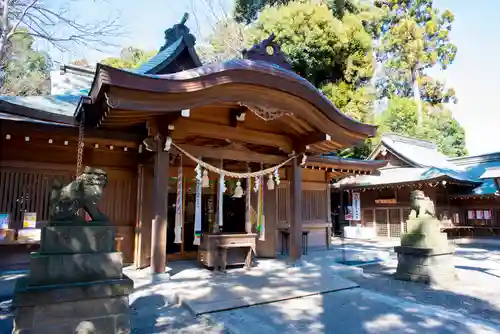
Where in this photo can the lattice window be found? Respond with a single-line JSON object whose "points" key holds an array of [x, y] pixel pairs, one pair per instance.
{"points": [[395, 222], [368, 217], [283, 202], [406, 213], [27, 191], [381, 222], [119, 200], [314, 205]]}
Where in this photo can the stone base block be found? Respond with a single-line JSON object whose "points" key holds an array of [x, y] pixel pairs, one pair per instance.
{"points": [[73, 239], [82, 317], [70, 268], [427, 265], [97, 307]]}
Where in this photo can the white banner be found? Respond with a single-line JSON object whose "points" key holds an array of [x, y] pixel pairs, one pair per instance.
{"points": [[197, 214], [178, 207], [356, 206]]}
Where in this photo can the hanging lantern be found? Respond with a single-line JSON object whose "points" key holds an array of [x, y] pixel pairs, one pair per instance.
{"points": [[205, 182], [238, 191], [270, 182]]}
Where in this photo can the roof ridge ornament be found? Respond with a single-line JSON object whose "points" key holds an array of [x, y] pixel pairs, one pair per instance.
{"points": [[269, 51], [177, 31]]}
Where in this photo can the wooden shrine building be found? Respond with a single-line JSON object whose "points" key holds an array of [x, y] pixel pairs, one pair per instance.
{"points": [[467, 205], [227, 151]]}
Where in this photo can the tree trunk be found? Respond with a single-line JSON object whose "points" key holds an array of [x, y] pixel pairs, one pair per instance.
{"points": [[416, 95], [3, 38], [340, 4]]}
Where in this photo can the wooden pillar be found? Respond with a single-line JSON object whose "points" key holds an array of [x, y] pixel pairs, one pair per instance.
{"points": [[296, 210], [159, 226], [138, 221], [328, 214]]}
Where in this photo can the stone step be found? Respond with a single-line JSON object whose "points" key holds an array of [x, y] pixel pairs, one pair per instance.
{"points": [[26, 295], [102, 315], [73, 268]]}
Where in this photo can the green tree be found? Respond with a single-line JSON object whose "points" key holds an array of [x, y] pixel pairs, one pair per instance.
{"points": [[129, 58], [335, 55], [320, 47], [438, 125], [415, 37], [246, 11], [26, 71]]}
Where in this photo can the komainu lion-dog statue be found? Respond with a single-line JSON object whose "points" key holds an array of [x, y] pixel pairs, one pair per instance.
{"points": [[84, 192], [421, 205]]}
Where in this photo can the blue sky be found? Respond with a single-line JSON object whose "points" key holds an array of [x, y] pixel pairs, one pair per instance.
{"points": [[474, 74]]}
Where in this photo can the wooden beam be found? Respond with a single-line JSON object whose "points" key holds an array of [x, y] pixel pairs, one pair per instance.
{"points": [[96, 136], [185, 128], [231, 154], [314, 138]]}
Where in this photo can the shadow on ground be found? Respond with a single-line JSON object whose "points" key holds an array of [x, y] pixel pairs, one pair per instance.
{"points": [[380, 305]]}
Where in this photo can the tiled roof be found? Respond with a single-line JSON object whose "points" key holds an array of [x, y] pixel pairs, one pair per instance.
{"points": [[70, 83], [488, 186], [57, 104], [416, 152], [162, 58], [428, 164], [397, 175]]}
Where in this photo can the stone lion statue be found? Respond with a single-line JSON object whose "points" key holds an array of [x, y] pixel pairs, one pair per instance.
{"points": [[421, 205], [83, 193]]}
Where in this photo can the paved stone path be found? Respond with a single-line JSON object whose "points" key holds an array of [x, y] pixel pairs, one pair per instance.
{"points": [[381, 305]]}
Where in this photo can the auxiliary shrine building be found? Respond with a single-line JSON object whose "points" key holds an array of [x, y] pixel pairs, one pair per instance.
{"points": [[198, 156], [466, 205]]}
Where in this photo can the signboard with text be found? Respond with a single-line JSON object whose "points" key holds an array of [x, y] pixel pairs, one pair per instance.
{"points": [[29, 220], [356, 206]]}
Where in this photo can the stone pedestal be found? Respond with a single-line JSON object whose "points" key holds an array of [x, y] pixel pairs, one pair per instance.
{"points": [[425, 254], [75, 284]]}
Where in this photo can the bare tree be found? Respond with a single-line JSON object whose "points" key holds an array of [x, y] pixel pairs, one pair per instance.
{"points": [[225, 38], [42, 19]]}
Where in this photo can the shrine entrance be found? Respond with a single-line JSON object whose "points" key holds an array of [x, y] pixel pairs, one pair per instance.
{"points": [[233, 213]]}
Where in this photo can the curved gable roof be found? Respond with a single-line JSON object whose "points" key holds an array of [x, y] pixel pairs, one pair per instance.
{"points": [[240, 80]]}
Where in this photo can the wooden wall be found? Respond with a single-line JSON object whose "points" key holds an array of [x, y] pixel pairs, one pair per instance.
{"points": [[316, 217], [390, 219], [28, 169]]}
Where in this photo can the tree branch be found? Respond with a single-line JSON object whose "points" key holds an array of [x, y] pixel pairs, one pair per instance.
{"points": [[20, 18]]}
